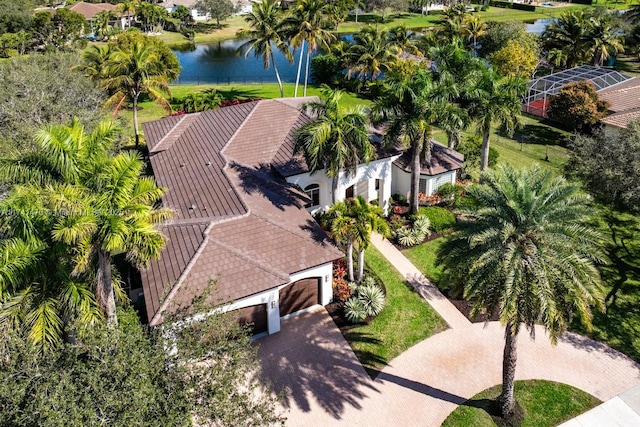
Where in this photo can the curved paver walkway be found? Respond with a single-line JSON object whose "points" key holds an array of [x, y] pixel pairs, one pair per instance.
{"points": [[313, 364]]}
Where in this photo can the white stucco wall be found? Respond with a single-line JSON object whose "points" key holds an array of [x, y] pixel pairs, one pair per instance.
{"points": [[402, 181], [364, 180]]}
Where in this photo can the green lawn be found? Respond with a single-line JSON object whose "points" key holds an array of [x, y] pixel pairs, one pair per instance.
{"points": [[406, 319], [545, 404], [424, 258]]}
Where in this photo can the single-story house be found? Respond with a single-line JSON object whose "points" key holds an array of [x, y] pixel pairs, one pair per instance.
{"points": [[243, 204], [171, 5], [624, 104], [90, 10]]}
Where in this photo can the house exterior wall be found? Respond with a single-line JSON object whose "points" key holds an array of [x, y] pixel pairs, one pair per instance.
{"points": [[271, 297], [402, 181], [194, 14], [363, 180]]}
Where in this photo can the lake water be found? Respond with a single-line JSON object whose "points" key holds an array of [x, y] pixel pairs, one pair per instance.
{"points": [[220, 64]]}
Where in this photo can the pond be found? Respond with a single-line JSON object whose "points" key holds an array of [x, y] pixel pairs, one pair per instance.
{"points": [[539, 25], [220, 64]]}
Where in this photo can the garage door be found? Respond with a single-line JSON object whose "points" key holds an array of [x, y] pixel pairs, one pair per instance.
{"points": [[299, 295], [255, 316]]}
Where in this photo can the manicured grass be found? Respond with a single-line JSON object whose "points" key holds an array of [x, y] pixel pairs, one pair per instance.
{"points": [[424, 258], [228, 31], [406, 319], [545, 404]]}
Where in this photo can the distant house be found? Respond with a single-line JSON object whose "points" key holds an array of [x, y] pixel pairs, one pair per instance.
{"points": [[243, 204], [90, 10], [624, 104], [171, 5]]}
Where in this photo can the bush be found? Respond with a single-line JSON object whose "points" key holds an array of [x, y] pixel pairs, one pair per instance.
{"points": [[447, 192], [341, 290], [484, 7], [372, 299], [414, 235], [354, 310], [326, 69], [441, 219]]}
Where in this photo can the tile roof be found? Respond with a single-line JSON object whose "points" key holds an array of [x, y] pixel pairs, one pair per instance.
{"points": [[89, 10], [623, 96], [237, 221], [622, 119], [443, 159]]}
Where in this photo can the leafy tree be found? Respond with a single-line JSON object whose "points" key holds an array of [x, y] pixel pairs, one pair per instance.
{"points": [[151, 16], [526, 254], [608, 166], [266, 33], [471, 149], [58, 30], [218, 9], [123, 377], [352, 223], [500, 33], [48, 82], [306, 26], [183, 14], [410, 107], [336, 140], [495, 100], [12, 44], [209, 99], [577, 106], [515, 60], [387, 6], [15, 16]]}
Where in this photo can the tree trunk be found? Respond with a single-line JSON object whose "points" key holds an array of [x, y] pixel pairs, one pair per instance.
{"points": [[350, 259], [506, 400], [306, 71], [360, 265], [451, 139], [334, 189], [135, 120], [484, 159], [356, 14], [295, 92], [275, 68], [415, 177], [104, 288]]}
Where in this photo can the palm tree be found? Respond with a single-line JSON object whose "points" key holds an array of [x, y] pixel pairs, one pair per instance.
{"points": [[94, 62], [633, 14], [336, 140], [557, 57], [525, 253], [265, 34], [101, 23], [38, 294], [495, 100], [473, 27], [409, 108], [372, 53], [601, 40], [567, 34], [307, 27], [121, 218], [352, 223], [135, 72]]}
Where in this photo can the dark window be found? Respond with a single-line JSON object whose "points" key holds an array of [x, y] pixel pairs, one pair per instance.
{"points": [[377, 184], [313, 191], [349, 193]]}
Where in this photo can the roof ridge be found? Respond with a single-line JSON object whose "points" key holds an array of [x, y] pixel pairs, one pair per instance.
{"points": [[179, 128], [261, 265], [174, 289]]}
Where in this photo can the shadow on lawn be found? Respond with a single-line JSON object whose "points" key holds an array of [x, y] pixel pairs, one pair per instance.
{"points": [[540, 135]]}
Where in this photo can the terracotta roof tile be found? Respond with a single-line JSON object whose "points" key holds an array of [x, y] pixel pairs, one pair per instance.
{"points": [[89, 10], [622, 120], [624, 96], [443, 159]]}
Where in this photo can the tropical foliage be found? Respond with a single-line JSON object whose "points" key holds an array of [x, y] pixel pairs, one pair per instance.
{"points": [[526, 254], [577, 106]]}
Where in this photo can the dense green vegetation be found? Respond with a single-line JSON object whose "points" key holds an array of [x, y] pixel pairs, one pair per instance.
{"points": [[544, 403]]}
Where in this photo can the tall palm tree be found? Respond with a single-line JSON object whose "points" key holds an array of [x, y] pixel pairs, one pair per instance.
{"points": [[132, 73], [335, 141], [409, 108], [265, 34], [495, 99], [633, 14], [94, 62], [38, 293], [120, 216], [601, 40], [527, 254], [352, 223], [372, 53], [307, 26], [557, 57], [474, 27]]}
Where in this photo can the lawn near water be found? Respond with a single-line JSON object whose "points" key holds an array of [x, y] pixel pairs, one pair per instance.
{"points": [[405, 320], [545, 404]]}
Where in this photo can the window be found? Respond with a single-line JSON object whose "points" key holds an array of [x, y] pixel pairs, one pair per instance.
{"points": [[378, 184], [440, 181], [349, 193], [313, 191], [422, 186]]}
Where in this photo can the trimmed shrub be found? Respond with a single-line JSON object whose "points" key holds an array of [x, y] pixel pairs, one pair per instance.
{"points": [[354, 310], [341, 290], [441, 219]]}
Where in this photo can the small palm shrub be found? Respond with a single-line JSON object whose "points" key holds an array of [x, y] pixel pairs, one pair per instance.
{"points": [[372, 299], [415, 234], [354, 310]]}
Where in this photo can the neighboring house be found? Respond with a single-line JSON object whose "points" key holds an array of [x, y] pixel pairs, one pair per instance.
{"points": [[90, 10], [243, 204], [171, 5], [624, 104]]}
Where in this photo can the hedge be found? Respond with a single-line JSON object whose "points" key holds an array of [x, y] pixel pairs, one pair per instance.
{"points": [[518, 6]]}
